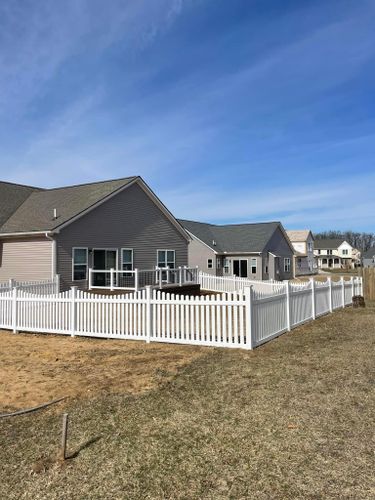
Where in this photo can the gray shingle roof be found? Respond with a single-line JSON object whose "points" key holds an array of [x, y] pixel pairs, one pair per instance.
{"points": [[32, 208], [328, 244], [369, 254], [233, 237]]}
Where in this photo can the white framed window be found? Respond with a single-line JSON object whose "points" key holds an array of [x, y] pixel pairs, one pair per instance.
{"points": [[329, 252], [286, 265], [226, 265], [127, 259], [253, 265], [79, 263], [209, 263], [166, 258], [345, 251]]}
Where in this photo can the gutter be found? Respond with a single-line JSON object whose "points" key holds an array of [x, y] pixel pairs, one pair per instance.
{"points": [[32, 233]]}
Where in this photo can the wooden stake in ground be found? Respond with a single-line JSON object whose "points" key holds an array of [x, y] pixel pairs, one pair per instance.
{"points": [[64, 437]]}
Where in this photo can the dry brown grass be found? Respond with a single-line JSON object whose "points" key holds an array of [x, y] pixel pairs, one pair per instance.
{"points": [[35, 369], [293, 419]]}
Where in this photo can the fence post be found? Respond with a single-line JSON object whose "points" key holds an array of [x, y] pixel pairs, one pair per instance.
{"points": [[160, 278], [14, 309], [329, 279], [73, 310], [288, 315], [343, 291], [12, 283], [312, 281], [148, 314], [57, 283], [90, 278], [112, 282], [180, 275], [248, 292], [353, 290]]}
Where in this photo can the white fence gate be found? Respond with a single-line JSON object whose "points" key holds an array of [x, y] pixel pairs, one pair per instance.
{"points": [[243, 319]]}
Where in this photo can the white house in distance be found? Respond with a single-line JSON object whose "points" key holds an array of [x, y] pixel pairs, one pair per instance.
{"points": [[335, 254], [303, 244]]}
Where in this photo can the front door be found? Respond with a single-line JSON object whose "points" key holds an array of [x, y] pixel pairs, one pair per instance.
{"points": [[103, 260], [240, 268]]}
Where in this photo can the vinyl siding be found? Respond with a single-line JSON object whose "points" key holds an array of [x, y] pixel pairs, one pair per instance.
{"points": [[279, 246], [25, 259], [199, 254], [128, 220], [247, 257]]}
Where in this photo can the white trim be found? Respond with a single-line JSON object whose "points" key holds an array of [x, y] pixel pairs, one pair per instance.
{"points": [[35, 233], [251, 265], [289, 264], [87, 262], [122, 260]]}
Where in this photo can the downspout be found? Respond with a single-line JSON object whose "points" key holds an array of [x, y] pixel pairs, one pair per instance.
{"points": [[53, 255]]}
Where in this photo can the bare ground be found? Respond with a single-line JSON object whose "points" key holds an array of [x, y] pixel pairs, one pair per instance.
{"points": [[293, 419]]}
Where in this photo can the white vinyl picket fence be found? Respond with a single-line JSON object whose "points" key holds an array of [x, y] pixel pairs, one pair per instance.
{"points": [[236, 284], [41, 287], [245, 319]]}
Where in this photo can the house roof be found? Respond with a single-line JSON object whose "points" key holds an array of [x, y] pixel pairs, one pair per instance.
{"points": [[330, 244], [248, 238], [369, 254], [299, 235], [28, 209]]}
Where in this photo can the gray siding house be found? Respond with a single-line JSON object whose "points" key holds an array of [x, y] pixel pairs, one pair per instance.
{"points": [[368, 258], [256, 251], [118, 224]]}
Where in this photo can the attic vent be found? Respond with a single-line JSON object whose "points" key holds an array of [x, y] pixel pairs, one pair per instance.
{"points": [[214, 243], [55, 213]]}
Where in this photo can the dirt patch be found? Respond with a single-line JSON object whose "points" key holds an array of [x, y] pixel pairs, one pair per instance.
{"points": [[38, 368]]}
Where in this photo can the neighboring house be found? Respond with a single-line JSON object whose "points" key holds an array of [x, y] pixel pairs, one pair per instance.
{"points": [[117, 224], [303, 244], [256, 251], [368, 258], [335, 254]]}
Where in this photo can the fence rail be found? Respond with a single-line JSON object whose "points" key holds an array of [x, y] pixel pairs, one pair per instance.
{"points": [[244, 319]]}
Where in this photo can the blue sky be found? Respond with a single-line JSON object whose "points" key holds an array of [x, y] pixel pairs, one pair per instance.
{"points": [[232, 111]]}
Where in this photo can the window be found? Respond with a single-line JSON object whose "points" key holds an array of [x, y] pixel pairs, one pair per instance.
{"points": [[253, 265], [319, 252], [80, 258], [127, 259], [167, 258], [226, 266], [345, 251], [286, 265], [310, 246], [209, 263], [329, 252], [240, 268]]}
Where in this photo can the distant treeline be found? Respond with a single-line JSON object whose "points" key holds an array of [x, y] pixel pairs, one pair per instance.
{"points": [[362, 241]]}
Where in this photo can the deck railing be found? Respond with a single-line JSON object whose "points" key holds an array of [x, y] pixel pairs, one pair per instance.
{"points": [[137, 279]]}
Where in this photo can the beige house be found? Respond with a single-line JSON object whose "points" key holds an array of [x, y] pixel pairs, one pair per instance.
{"points": [[303, 244], [257, 251], [118, 224]]}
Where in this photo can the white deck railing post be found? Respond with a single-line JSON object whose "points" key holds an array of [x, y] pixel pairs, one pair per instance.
{"points": [[160, 278], [329, 279], [343, 291], [112, 281], [148, 313], [136, 279], [313, 306], [14, 309], [180, 275], [57, 283], [90, 278], [288, 305], [12, 283], [248, 292], [73, 310]]}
